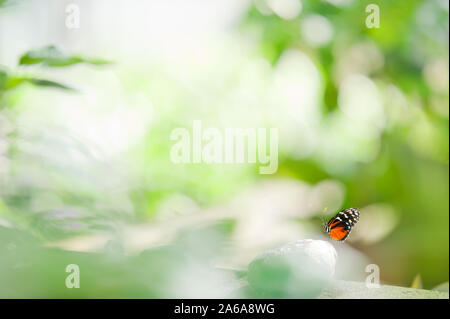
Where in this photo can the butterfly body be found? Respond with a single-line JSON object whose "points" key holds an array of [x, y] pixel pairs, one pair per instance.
{"points": [[339, 227]]}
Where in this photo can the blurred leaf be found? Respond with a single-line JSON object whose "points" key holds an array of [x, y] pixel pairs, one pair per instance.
{"points": [[11, 82], [51, 56], [442, 287], [206, 240], [48, 83], [417, 282], [5, 3], [3, 79]]}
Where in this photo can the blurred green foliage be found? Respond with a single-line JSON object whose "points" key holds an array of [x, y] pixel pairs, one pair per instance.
{"points": [[51, 56], [409, 171], [414, 182]]}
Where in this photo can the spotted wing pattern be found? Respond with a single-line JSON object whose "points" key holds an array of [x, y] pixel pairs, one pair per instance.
{"points": [[339, 227]]}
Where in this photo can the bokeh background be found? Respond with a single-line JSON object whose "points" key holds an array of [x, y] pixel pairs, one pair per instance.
{"points": [[85, 170]]}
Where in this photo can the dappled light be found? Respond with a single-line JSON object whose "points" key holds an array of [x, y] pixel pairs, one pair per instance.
{"points": [[117, 151]]}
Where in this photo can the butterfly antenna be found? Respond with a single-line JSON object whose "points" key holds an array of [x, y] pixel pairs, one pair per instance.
{"points": [[324, 222]]}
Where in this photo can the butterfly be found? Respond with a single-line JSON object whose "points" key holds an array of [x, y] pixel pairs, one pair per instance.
{"points": [[339, 227]]}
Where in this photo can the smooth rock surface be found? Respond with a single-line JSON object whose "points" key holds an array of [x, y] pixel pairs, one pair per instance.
{"points": [[299, 269], [358, 290]]}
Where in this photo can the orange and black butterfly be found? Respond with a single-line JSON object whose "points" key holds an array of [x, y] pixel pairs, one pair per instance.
{"points": [[339, 227]]}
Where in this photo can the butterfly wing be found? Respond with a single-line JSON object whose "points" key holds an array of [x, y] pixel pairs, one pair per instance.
{"points": [[339, 227], [339, 231]]}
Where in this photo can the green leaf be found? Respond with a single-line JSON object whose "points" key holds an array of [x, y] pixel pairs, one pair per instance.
{"points": [[4, 3], [14, 81], [48, 83], [51, 56], [3, 79]]}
